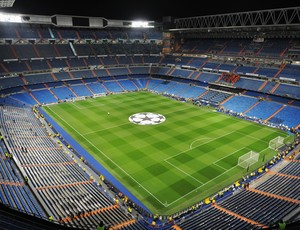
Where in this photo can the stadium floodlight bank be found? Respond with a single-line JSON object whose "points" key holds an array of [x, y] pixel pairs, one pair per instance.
{"points": [[248, 159], [276, 143]]}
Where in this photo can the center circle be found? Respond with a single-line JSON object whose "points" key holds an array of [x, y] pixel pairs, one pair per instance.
{"points": [[146, 118]]}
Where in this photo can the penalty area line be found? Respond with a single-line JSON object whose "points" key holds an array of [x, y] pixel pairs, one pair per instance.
{"points": [[219, 166], [211, 139], [230, 154], [189, 175], [200, 139], [196, 189]]}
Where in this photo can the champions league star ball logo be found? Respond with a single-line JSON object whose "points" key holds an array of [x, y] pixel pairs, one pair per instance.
{"points": [[147, 118]]}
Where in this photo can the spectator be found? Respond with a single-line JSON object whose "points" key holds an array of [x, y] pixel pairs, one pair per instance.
{"points": [[100, 226], [281, 225], [129, 209], [51, 218]]}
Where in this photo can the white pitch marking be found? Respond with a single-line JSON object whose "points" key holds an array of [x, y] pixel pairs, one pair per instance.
{"points": [[200, 139], [219, 166], [184, 172], [229, 155], [99, 130], [162, 203], [199, 145], [200, 186]]}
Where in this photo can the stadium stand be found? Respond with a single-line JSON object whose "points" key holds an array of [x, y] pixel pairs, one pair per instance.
{"points": [[41, 179]]}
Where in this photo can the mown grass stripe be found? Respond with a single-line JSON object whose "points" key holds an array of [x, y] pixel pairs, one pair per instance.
{"points": [[188, 157]]}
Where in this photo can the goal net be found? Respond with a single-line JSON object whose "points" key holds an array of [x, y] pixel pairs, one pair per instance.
{"points": [[248, 159], [80, 98], [276, 143], [99, 95]]}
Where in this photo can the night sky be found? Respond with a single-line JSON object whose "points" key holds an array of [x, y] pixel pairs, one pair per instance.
{"points": [[142, 10]]}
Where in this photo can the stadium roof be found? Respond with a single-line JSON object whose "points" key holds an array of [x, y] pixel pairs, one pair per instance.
{"points": [[272, 17], [6, 3]]}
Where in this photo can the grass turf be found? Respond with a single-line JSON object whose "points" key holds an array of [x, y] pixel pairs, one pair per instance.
{"points": [[169, 166]]}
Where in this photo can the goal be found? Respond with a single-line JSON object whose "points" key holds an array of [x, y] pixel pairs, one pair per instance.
{"points": [[248, 159], [99, 95], [276, 143], [80, 98]]}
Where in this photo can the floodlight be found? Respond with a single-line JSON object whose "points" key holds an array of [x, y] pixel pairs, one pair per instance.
{"points": [[10, 18], [143, 24]]}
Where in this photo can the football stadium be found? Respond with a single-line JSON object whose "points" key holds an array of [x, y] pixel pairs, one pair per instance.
{"points": [[183, 124]]}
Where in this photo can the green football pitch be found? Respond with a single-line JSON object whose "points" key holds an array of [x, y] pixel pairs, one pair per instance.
{"points": [[168, 166]]}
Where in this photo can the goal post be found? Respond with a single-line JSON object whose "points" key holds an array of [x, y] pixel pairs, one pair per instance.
{"points": [[276, 143], [248, 159]]}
